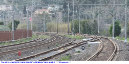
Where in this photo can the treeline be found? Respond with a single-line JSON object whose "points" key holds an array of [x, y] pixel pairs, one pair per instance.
{"points": [[86, 27], [91, 27]]}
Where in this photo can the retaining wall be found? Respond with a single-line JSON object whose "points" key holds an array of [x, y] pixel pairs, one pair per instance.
{"points": [[18, 34]]}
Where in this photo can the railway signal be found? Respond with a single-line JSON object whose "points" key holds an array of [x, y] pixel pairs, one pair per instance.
{"points": [[30, 19]]}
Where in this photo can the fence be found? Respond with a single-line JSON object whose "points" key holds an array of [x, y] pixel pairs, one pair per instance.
{"points": [[18, 34]]}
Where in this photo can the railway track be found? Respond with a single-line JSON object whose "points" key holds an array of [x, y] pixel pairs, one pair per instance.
{"points": [[53, 52], [32, 42], [39, 46], [23, 46], [106, 50], [29, 42]]}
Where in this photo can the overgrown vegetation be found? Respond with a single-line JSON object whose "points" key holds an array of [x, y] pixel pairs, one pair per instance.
{"points": [[43, 36], [122, 38], [117, 29], [86, 27], [62, 27], [57, 44], [65, 58], [24, 26], [88, 45], [78, 52]]}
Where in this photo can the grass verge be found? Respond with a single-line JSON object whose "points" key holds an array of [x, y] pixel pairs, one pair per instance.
{"points": [[74, 37], [122, 38]]}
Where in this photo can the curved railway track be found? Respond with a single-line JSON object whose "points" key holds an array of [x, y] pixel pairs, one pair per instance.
{"points": [[106, 50]]}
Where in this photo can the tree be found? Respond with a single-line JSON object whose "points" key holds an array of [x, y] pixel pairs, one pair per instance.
{"points": [[85, 27], [117, 29], [16, 23], [1, 23], [94, 27], [24, 11], [128, 29], [76, 26]]}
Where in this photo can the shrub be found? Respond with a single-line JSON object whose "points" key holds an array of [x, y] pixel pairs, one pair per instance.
{"points": [[117, 29], [16, 23]]}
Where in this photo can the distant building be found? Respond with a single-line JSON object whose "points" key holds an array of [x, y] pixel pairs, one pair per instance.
{"points": [[41, 11], [53, 8], [5, 7]]}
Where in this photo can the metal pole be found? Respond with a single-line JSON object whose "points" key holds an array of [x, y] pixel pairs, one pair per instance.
{"points": [[93, 13], [104, 4], [32, 16], [95, 20], [68, 18], [44, 23], [125, 21], [79, 21], [73, 19], [13, 27], [2, 16], [51, 21], [27, 24], [98, 19], [13, 23], [98, 22], [113, 31], [5, 17], [57, 21]]}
